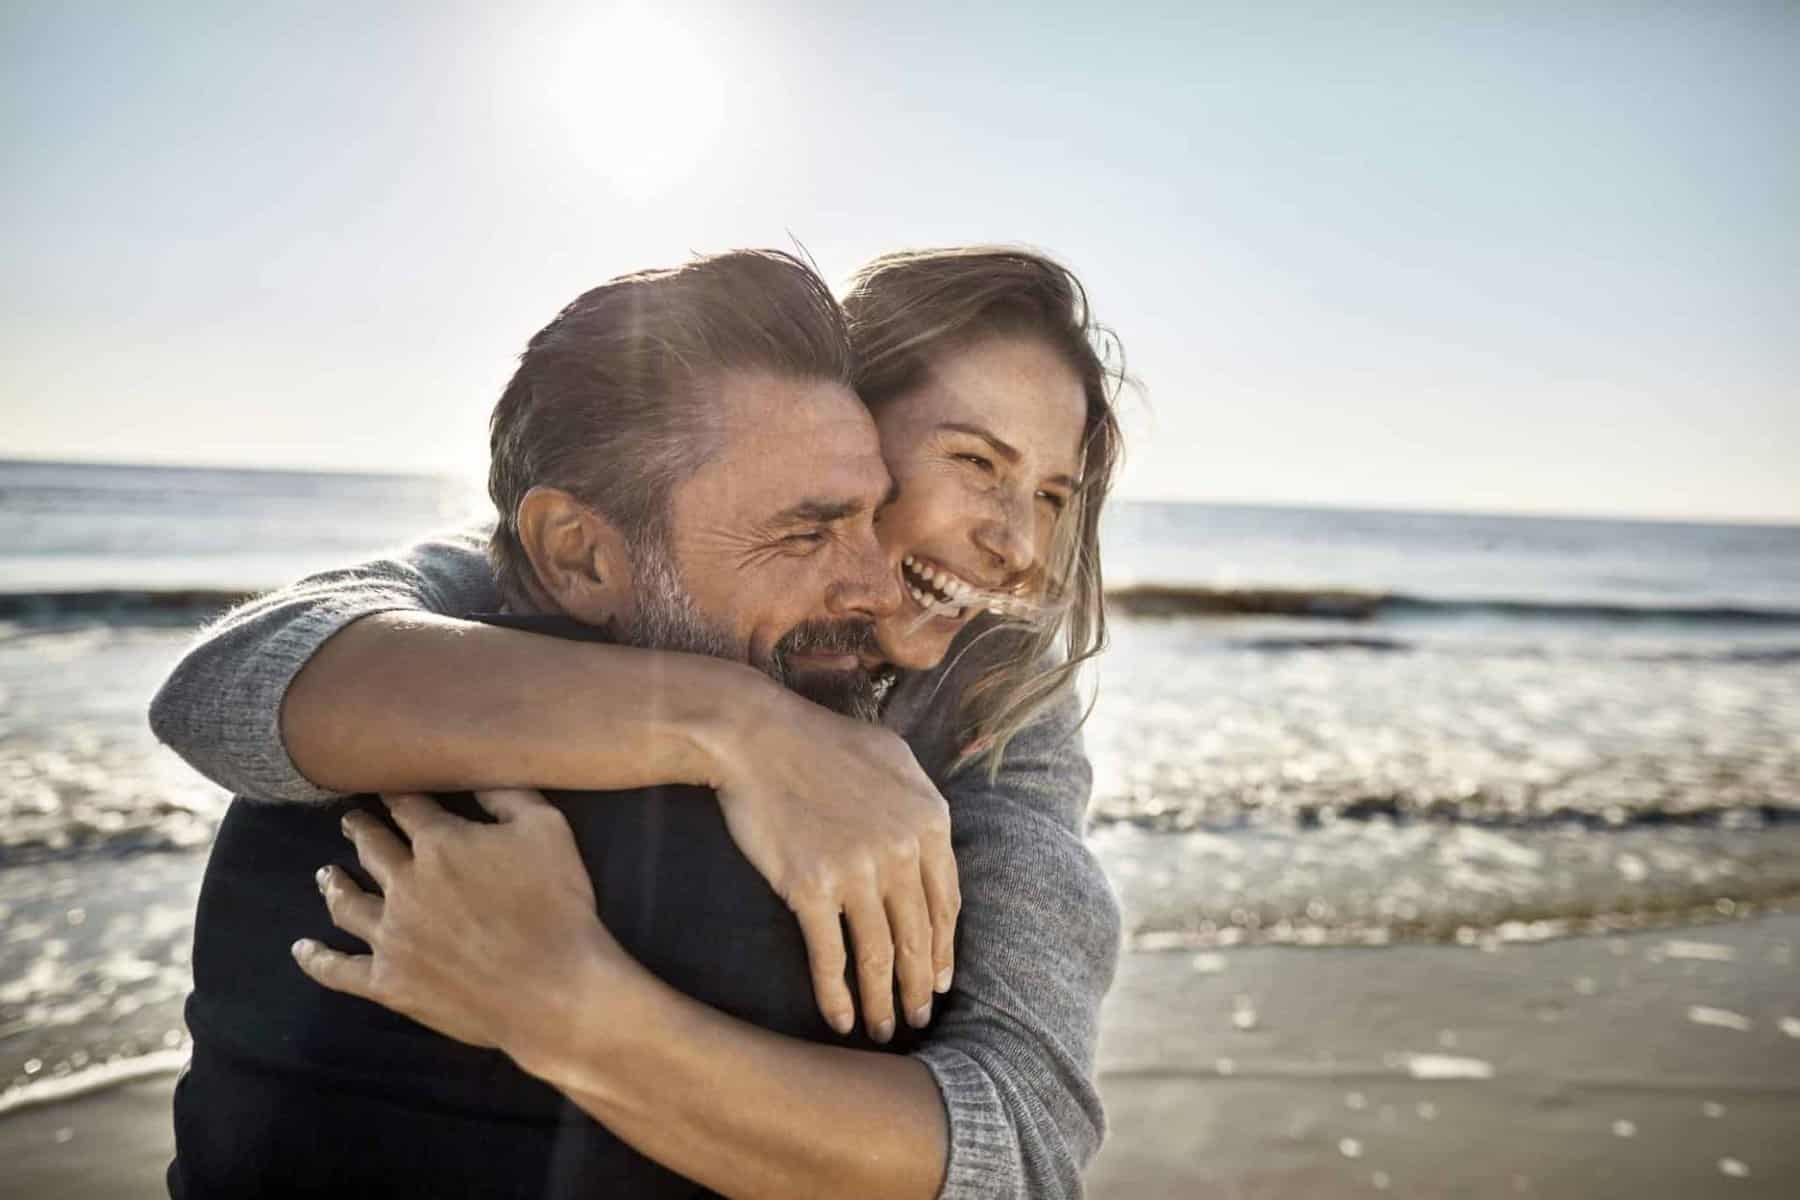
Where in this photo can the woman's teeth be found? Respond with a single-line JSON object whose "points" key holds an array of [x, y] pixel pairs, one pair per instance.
{"points": [[936, 590]]}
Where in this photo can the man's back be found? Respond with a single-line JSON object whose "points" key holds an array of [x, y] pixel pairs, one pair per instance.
{"points": [[297, 1090]]}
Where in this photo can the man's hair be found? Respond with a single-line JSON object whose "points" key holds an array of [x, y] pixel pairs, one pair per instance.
{"points": [[615, 401]]}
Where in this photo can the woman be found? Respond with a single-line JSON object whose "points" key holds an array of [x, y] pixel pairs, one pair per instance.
{"points": [[993, 400]]}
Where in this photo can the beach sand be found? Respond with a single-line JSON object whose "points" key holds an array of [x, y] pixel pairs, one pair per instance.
{"points": [[1649, 1065], [1657, 1064]]}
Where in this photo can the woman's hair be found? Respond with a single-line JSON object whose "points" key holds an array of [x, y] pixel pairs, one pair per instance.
{"points": [[909, 310]]}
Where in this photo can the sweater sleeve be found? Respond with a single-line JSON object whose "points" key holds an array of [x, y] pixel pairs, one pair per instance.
{"points": [[220, 709], [1013, 1046]]}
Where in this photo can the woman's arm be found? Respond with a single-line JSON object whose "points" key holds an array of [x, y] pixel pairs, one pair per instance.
{"points": [[363, 680], [1014, 1045], [1009, 1109], [417, 701], [746, 1112], [221, 708], [1014, 1111], [366, 679], [1013, 1049], [473, 941]]}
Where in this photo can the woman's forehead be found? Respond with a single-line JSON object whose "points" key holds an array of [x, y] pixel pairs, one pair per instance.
{"points": [[1016, 389]]}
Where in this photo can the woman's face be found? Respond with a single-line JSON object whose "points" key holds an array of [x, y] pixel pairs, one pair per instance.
{"points": [[986, 455]]}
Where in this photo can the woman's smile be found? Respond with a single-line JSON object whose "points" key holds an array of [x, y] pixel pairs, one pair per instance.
{"points": [[942, 592]]}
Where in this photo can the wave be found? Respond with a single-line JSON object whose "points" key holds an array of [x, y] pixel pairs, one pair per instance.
{"points": [[1579, 610], [1733, 654], [1476, 812], [1349, 604], [119, 603], [1777, 654], [1379, 645], [1341, 604], [92, 1079], [1158, 600]]}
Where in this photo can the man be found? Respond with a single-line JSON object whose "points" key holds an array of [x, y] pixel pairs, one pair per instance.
{"points": [[643, 418]]}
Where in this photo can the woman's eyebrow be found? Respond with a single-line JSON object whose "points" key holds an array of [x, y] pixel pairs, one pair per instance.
{"points": [[1005, 451], [1009, 453]]}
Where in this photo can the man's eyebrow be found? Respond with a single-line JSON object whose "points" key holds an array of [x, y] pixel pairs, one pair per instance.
{"points": [[818, 512], [1009, 453]]}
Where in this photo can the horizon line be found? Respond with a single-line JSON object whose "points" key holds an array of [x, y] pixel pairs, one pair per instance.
{"points": [[1446, 509]]}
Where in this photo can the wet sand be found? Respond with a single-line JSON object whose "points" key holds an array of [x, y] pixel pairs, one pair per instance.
{"points": [[1658, 1064], [112, 1143], [1649, 1065]]}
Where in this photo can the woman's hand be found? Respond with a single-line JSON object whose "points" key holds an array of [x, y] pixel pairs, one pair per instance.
{"points": [[840, 819], [479, 926]]}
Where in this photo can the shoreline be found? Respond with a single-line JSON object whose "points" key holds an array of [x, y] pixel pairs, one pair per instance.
{"points": [[1647, 1064]]}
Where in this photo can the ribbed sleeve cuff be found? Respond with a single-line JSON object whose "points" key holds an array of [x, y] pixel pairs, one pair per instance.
{"points": [[251, 735], [984, 1150]]}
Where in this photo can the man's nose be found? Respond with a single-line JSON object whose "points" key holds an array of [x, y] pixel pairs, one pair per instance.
{"points": [[870, 586]]}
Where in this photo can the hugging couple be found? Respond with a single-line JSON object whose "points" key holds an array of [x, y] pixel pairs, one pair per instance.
{"points": [[754, 860]]}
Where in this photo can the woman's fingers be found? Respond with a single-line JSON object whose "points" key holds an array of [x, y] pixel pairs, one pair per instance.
{"points": [[352, 910], [910, 924], [824, 934], [943, 895], [509, 804], [350, 973], [414, 812], [873, 945], [380, 852]]}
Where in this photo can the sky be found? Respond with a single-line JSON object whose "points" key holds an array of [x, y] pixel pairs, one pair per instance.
{"points": [[1514, 257]]}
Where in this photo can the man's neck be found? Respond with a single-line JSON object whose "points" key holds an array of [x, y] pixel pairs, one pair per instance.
{"points": [[550, 624]]}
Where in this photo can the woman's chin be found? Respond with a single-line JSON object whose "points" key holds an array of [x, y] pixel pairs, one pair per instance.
{"points": [[916, 650]]}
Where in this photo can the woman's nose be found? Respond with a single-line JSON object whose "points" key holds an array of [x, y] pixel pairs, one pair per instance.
{"points": [[1008, 538]]}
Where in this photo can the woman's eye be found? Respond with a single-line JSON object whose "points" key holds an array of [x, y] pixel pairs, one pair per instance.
{"points": [[1057, 503]]}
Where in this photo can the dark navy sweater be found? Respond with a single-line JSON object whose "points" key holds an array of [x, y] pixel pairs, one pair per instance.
{"points": [[295, 1090]]}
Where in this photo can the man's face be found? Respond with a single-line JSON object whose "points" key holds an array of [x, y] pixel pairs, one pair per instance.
{"points": [[773, 548]]}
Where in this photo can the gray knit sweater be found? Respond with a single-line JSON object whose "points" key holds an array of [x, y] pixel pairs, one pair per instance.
{"points": [[1013, 1046]]}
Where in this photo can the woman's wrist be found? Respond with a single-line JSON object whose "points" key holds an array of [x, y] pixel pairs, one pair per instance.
{"points": [[732, 704], [575, 1021]]}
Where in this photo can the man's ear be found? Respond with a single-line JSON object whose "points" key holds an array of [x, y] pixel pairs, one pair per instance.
{"points": [[578, 557]]}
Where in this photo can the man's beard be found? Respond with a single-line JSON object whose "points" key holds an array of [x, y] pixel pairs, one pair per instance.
{"points": [[665, 617], [855, 692]]}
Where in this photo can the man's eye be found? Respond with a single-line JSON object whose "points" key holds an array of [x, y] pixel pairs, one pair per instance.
{"points": [[812, 538], [983, 463]]}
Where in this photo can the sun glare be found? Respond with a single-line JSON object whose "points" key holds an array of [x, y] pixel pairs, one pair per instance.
{"points": [[637, 98]]}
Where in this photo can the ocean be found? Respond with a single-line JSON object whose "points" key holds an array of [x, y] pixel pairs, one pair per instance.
{"points": [[1314, 726]]}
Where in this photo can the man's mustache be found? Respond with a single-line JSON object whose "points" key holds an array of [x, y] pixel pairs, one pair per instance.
{"points": [[830, 637]]}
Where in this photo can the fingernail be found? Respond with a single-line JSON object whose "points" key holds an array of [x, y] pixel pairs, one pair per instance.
{"points": [[345, 823], [842, 1022], [301, 948], [920, 1017], [884, 1031], [322, 875], [943, 981]]}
